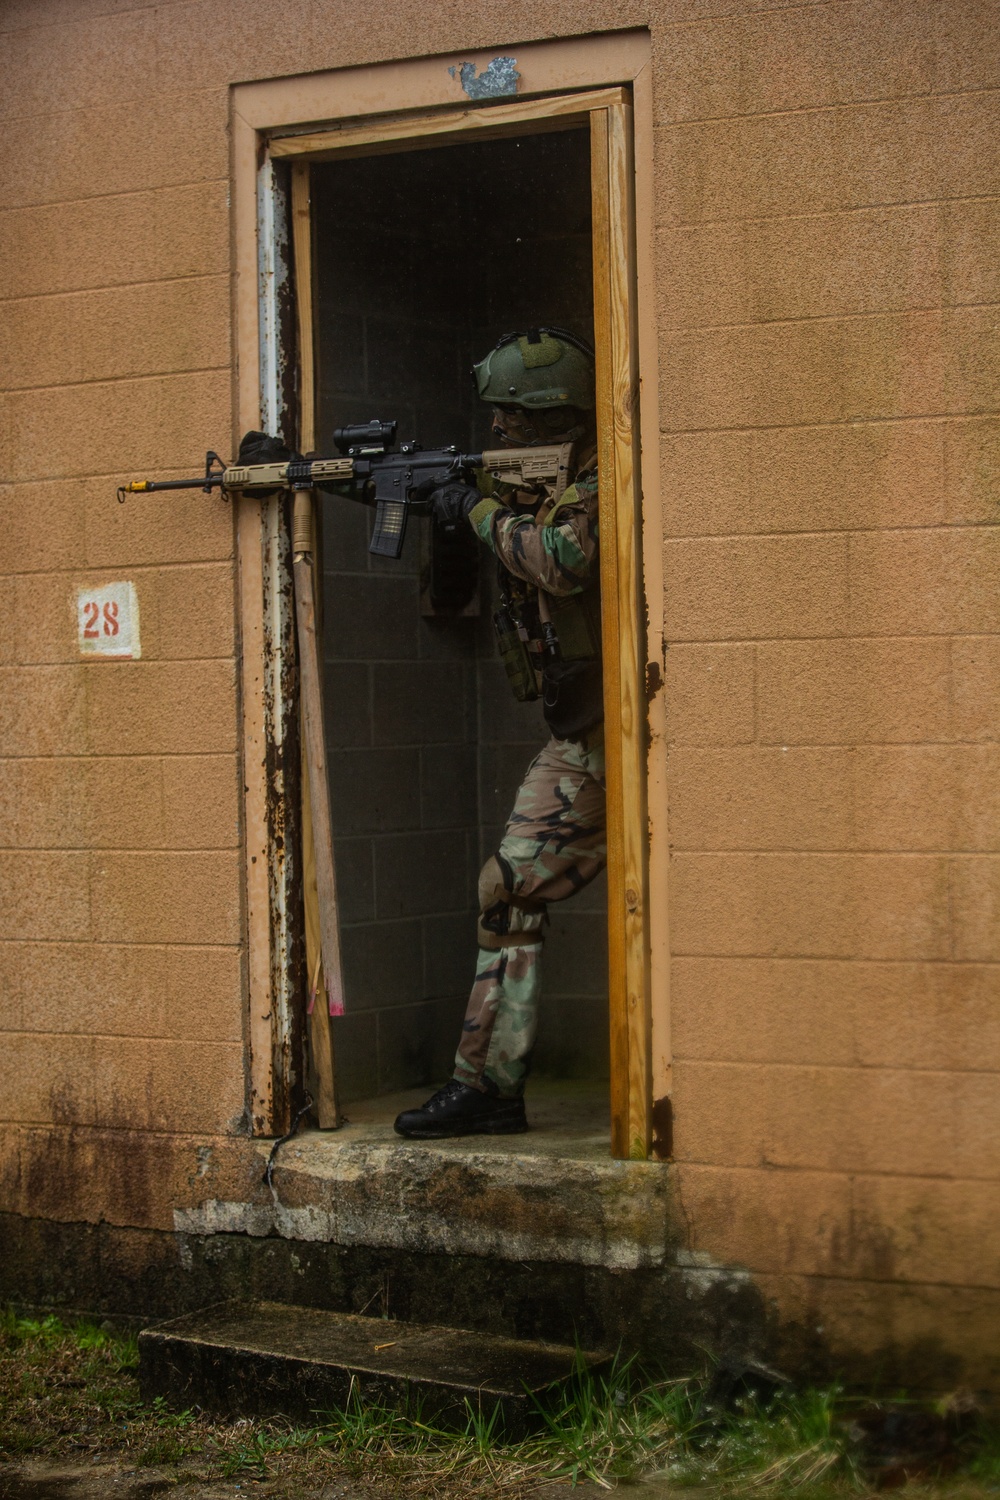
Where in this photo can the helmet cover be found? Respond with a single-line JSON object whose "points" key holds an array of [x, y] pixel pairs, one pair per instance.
{"points": [[542, 367]]}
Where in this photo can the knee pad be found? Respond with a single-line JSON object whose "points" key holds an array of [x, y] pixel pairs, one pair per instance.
{"points": [[505, 918]]}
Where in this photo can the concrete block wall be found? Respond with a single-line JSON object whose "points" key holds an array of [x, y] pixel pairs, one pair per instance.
{"points": [[826, 247], [400, 707], [827, 185], [399, 690], [121, 938]]}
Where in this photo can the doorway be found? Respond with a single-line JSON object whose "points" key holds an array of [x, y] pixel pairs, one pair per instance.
{"points": [[421, 260], [606, 120]]}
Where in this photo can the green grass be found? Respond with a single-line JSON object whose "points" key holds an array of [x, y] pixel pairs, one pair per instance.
{"points": [[71, 1389], [983, 1456]]}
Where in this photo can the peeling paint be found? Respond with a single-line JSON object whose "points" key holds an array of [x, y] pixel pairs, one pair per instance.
{"points": [[279, 690], [498, 79]]}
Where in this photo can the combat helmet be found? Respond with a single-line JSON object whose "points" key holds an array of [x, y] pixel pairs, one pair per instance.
{"points": [[541, 367]]}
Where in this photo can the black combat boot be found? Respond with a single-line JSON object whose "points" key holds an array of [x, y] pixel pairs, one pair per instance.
{"points": [[458, 1109]]}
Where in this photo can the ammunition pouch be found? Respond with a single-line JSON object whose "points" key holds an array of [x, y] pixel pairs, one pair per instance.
{"points": [[517, 655]]}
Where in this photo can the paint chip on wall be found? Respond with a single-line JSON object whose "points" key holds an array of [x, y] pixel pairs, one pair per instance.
{"points": [[108, 621], [498, 78]]}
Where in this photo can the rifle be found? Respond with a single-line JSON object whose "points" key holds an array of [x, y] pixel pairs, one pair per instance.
{"points": [[388, 480]]}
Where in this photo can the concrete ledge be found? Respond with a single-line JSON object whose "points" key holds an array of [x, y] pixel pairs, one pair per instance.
{"points": [[456, 1198]]}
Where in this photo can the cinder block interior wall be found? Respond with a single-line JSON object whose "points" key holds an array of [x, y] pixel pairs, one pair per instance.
{"points": [[825, 224], [427, 744]]}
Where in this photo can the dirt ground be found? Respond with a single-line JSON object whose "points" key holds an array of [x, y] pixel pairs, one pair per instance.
{"points": [[103, 1479]]}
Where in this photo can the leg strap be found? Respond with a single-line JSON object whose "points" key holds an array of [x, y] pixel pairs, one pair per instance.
{"points": [[495, 941], [523, 903]]}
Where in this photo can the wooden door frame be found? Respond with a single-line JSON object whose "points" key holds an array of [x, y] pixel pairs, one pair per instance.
{"points": [[271, 124]]}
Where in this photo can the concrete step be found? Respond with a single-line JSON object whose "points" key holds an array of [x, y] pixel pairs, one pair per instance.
{"points": [[544, 1196], [268, 1358]]}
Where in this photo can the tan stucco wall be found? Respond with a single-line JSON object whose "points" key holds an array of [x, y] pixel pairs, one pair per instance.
{"points": [[827, 199]]}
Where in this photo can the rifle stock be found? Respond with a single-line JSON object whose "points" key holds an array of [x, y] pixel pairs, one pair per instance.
{"points": [[527, 467]]}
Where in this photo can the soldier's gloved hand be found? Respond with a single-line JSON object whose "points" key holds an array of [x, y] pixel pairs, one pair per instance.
{"points": [[451, 503], [261, 448]]}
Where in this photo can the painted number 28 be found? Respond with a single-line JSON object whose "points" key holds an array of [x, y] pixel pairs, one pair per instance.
{"points": [[92, 615]]}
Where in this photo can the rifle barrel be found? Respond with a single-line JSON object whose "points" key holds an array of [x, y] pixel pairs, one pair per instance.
{"points": [[143, 486]]}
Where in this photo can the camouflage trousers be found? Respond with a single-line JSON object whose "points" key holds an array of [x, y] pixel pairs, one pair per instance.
{"points": [[554, 845]]}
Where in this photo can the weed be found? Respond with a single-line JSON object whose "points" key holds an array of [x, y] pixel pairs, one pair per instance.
{"points": [[164, 1450], [792, 1443], [45, 1331], [984, 1460], [606, 1429], [164, 1417], [90, 1336]]}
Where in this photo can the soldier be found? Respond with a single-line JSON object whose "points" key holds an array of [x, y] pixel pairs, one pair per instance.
{"points": [[540, 384]]}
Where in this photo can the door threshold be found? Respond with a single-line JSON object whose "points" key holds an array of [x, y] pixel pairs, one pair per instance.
{"points": [[554, 1193], [567, 1118]]}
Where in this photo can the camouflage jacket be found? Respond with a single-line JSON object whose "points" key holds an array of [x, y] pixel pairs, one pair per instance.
{"points": [[549, 578]]}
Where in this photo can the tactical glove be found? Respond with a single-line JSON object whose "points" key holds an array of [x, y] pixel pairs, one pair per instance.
{"points": [[451, 504], [261, 448]]}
